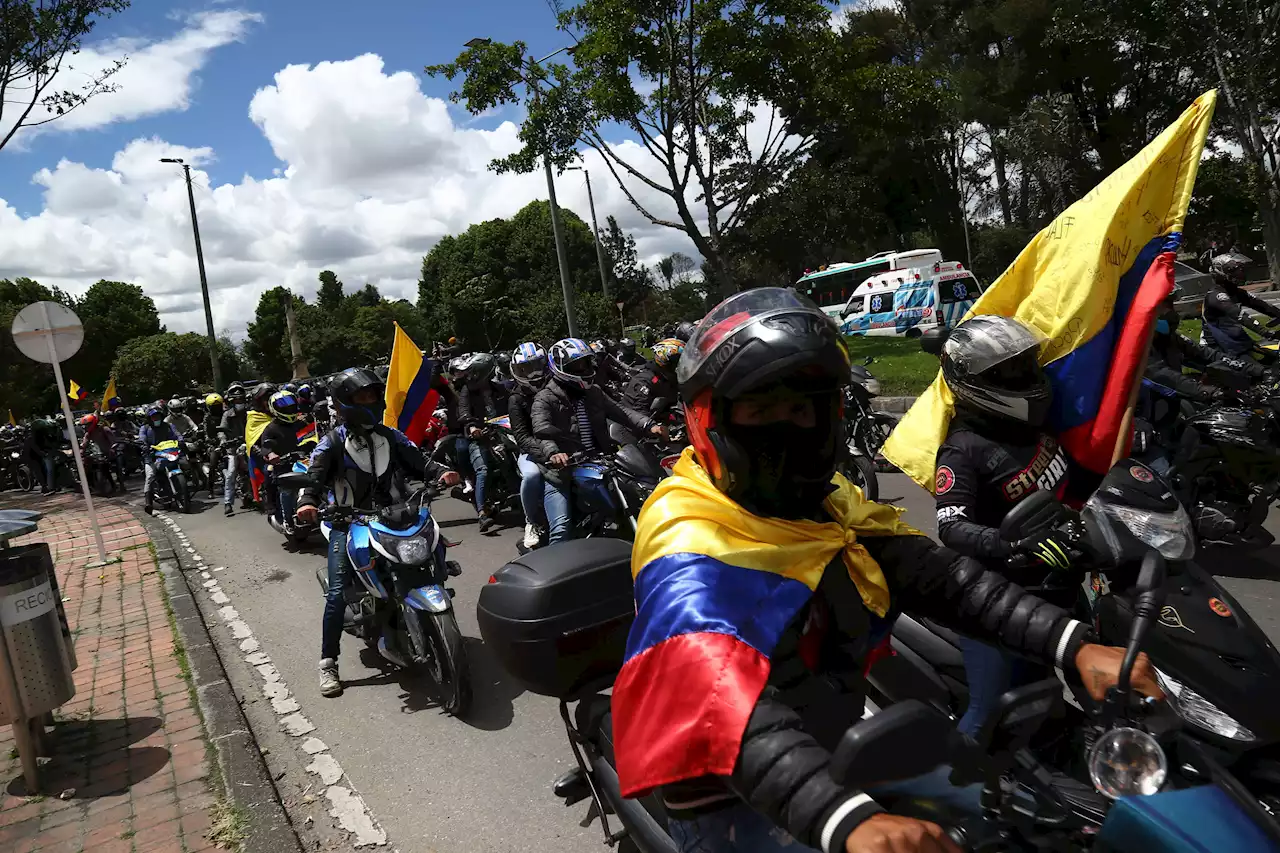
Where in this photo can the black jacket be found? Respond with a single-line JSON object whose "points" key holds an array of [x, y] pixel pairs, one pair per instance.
{"points": [[370, 470], [556, 427], [233, 425], [786, 748], [1173, 352], [278, 438], [520, 411], [1225, 321], [647, 385], [476, 404], [985, 467]]}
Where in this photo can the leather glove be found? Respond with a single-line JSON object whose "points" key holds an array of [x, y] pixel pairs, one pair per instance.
{"points": [[1047, 547]]}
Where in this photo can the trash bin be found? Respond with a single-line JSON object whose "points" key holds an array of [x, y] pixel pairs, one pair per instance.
{"points": [[36, 657]]}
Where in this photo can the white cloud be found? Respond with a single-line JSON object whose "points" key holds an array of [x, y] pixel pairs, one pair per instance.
{"points": [[374, 173], [158, 76]]}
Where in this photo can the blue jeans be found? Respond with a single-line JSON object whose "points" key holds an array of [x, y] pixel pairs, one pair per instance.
{"points": [[558, 499], [989, 672], [335, 604], [229, 480], [46, 460], [532, 488], [474, 450], [741, 829]]}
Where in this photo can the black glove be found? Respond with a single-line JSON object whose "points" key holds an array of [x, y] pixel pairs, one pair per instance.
{"points": [[1047, 547]]}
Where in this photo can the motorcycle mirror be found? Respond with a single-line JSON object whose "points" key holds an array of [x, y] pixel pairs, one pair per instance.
{"points": [[869, 360], [1034, 513], [1149, 598], [931, 341], [297, 481], [905, 740]]}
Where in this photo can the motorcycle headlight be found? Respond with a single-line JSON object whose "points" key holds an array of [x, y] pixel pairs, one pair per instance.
{"points": [[872, 385], [1127, 762], [1170, 533], [411, 551], [1199, 711]]}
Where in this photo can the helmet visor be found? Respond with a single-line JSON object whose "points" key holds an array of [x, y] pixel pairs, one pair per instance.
{"points": [[731, 315], [976, 347], [533, 370], [583, 367]]}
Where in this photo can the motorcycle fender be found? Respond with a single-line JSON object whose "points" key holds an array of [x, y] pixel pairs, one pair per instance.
{"points": [[428, 599], [358, 551]]}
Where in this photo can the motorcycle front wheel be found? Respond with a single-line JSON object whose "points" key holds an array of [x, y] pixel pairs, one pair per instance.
{"points": [[861, 471], [448, 658], [24, 478]]}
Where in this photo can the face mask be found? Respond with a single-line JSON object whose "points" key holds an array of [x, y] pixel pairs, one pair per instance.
{"points": [[791, 466]]}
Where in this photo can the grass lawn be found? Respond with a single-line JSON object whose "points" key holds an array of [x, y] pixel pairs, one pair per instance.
{"points": [[900, 365]]}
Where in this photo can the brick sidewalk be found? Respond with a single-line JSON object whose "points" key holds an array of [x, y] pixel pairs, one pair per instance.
{"points": [[129, 748]]}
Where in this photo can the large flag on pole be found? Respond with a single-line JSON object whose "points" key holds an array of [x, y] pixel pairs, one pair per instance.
{"points": [[1091, 282], [110, 397], [410, 400], [12, 422]]}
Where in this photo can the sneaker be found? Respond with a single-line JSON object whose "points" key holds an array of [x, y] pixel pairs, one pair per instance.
{"points": [[532, 536], [330, 686], [486, 522], [469, 488], [228, 511]]}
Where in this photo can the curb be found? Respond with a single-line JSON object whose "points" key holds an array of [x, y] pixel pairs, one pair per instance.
{"points": [[893, 405], [246, 782]]}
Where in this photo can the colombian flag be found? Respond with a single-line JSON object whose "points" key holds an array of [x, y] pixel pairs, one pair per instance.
{"points": [[76, 393], [715, 587], [307, 433], [256, 424], [110, 399], [1091, 283], [410, 400], [12, 422]]}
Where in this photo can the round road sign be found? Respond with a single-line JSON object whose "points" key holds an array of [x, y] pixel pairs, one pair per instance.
{"points": [[35, 322]]}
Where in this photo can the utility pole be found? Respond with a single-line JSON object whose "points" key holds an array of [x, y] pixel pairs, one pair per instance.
{"points": [[204, 281], [595, 227], [300, 370]]}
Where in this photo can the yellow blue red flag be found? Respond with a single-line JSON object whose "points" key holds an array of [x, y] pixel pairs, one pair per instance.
{"points": [[410, 400], [255, 425], [12, 422], [1091, 282], [75, 393], [715, 587], [110, 399]]}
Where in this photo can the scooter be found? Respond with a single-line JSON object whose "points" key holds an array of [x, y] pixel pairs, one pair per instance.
{"points": [[1216, 664]]}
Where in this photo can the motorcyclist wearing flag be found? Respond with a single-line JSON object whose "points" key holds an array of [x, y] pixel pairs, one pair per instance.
{"points": [[359, 463], [763, 582]]}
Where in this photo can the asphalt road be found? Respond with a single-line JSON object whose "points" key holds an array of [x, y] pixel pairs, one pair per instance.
{"points": [[446, 785]]}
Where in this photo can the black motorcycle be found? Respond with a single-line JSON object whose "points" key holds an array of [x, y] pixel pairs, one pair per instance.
{"points": [[626, 478], [866, 430], [1221, 673], [502, 486], [16, 470]]}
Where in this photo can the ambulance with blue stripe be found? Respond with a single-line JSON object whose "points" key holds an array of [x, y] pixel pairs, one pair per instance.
{"points": [[893, 293]]}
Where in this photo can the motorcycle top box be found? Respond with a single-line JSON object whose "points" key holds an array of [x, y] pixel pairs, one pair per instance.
{"points": [[557, 618]]}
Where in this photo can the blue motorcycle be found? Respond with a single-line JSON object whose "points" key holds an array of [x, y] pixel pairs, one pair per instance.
{"points": [[401, 606]]}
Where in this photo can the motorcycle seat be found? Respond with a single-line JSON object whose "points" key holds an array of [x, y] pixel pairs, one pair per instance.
{"points": [[594, 719]]}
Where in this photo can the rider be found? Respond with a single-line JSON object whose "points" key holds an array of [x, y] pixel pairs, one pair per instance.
{"points": [[657, 379], [364, 464], [156, 430], [773, 652], [231, 430], [279, 439], [260, 397], [607, 368], [684, 330], [529, 370], [178, 418], [996, 453], [45, 444], [1226, 325], [97, 432], [627, 355], [469, 378], [570, 416]]}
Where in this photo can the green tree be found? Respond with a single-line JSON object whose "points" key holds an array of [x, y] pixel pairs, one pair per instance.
{"points": [[170, 363], [632, 279], [26, 387], [36, 38], [1223, 204], [684, 79], [113, 313], [330, 295], [267, 339]]}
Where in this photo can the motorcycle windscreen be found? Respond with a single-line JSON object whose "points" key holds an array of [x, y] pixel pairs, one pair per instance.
{"points": [[1193, 820]]}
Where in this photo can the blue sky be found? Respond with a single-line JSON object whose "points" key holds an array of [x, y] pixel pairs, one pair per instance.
{"points": [[407, 35]]}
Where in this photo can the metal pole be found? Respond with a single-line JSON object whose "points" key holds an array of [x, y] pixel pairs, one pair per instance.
{"points": [[71, 433], [595, 226], [204, 285], [565, 287]]}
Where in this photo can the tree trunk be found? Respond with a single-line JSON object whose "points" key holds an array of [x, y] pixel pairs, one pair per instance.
{"points": [[1024, 196], [999, 162], [1269, 214], [295, 345]]}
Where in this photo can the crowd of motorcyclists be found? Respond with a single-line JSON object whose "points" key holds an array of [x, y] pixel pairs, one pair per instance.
{"points": [[759, 381]]}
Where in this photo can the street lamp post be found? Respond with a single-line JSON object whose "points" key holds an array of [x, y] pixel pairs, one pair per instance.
{"points": [[595, 226], [204, 281], [558, 233]]}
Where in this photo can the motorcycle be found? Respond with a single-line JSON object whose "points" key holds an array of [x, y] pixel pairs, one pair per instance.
{"points": [[401, 606], [865, 430], [558, 620], [16, 471], [99, 470], [502, 487], [171, 488], [1216, 664], [297, 533]]}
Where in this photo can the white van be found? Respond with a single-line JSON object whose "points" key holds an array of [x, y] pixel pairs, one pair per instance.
{"points": [[917, 291]]}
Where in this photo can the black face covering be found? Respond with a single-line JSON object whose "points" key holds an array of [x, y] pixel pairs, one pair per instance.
{"points": [[790, 466]]}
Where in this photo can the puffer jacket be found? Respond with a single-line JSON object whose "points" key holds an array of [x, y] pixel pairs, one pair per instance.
{"points": [[556, 426], [520, 411], [816, 688]]}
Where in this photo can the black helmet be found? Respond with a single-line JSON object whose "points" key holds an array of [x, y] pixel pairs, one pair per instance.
{"points": [[234, 394], [775, 341], [626, 346], [344, 390], [991, 364], [261, 395], [684, 330], [1228, 268]]}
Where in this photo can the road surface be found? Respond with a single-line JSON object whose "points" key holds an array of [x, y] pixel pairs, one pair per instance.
{"points": [[439, 784]]}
